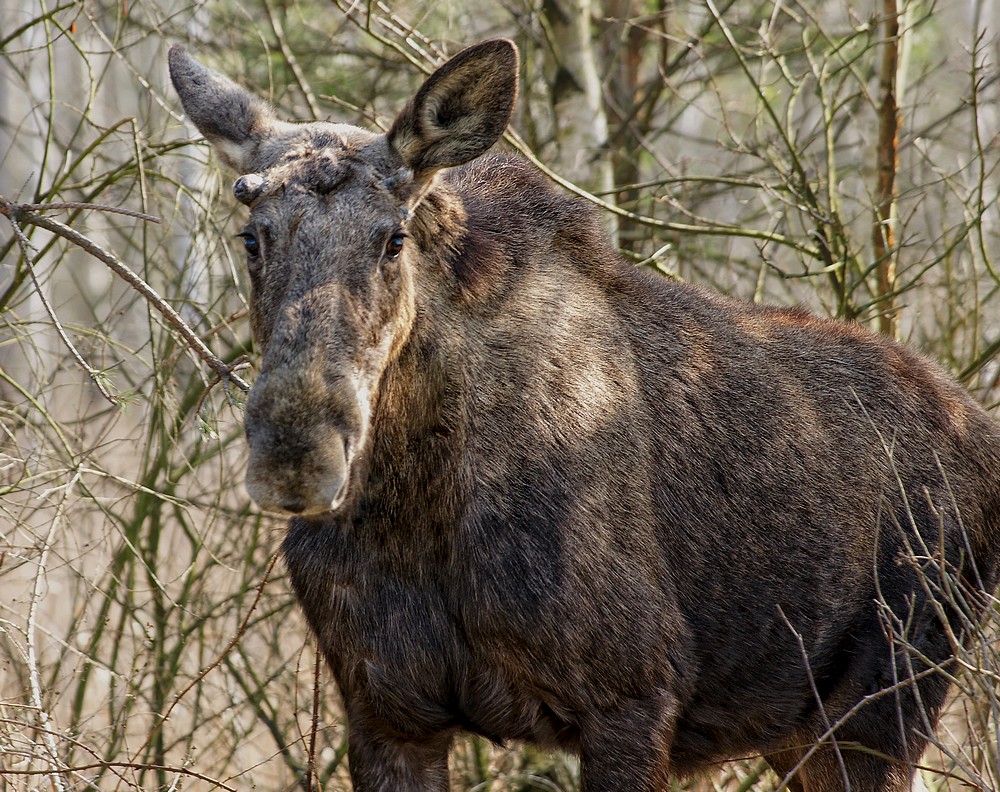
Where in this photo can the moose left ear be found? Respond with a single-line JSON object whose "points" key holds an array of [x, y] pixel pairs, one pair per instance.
{"points": [[460, 111]]}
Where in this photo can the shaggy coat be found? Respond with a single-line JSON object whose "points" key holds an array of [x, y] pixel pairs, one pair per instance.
{"points": [[538, 494]]}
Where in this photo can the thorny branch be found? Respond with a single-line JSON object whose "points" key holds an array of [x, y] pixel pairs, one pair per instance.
{"points": [[19, 214]]}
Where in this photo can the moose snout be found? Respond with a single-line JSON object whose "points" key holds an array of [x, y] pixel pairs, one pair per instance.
{"points": [[311, 481], [299, 460]]}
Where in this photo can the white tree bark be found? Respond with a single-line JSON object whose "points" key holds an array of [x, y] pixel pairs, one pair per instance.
{"points": [[578, 104]]}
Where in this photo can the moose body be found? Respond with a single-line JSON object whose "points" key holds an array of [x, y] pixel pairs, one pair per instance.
{"points": [[538, 494]]}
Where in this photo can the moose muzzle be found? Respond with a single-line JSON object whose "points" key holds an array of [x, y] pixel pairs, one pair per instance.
{"points": [[300, 448]]}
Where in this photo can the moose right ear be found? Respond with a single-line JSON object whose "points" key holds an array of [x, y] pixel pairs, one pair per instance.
{"points": [[460, 111], [233, 119]]}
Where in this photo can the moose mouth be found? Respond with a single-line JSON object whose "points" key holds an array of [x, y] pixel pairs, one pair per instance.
{"points": [[287, 478]]}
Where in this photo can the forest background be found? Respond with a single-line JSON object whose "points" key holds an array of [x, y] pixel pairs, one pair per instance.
{"points": [[836, 154]]}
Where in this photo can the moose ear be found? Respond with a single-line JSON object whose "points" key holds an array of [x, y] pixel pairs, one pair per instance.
{"points": [[233, 119], [460, 111]]}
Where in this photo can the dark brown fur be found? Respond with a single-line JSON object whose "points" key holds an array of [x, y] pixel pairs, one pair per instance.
{"points": [[548, 497]]}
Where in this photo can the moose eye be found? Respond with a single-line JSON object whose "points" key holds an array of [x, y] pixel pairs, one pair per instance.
{"points": [[250, 243], [395, 245]]}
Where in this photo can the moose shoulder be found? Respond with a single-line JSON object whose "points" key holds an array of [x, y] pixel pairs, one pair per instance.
{"points": [[540, 495]]}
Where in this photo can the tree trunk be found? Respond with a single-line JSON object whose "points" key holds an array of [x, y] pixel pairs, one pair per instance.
{"points": [[578, 104]]}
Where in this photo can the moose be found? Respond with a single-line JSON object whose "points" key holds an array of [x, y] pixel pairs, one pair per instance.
{"points": [[542, 495]]}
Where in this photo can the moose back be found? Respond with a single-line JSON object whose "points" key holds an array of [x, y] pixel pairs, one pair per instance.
{"points": [[541, 495]]}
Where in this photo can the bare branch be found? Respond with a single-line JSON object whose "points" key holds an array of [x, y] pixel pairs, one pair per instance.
{"points": [[17, 213]]}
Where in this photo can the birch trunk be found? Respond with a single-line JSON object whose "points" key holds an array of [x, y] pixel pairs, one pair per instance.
{"points": [[578, 104]]}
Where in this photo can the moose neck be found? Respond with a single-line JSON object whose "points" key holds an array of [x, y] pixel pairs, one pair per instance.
{"points": [[412, 473]]}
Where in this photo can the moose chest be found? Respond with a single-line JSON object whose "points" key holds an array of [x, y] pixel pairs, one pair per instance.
{"points": [[470, 634], [387, 636]]}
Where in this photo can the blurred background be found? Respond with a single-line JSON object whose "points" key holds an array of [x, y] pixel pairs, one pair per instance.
{"points": [[835, 154]]}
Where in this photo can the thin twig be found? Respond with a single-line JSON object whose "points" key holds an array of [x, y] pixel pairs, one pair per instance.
{"points": [[55, 772], [819, 699], [17, 213], [293, 63], [711, 230], [94, 374], [50, 207], [103, 765], [215, 663]]}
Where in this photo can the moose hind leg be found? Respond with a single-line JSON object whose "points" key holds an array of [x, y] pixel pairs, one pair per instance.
{"points": [[878, 745], [831, 769]]}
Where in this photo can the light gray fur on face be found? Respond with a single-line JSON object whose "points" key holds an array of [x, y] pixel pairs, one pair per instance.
{"points": [[327, 312]]}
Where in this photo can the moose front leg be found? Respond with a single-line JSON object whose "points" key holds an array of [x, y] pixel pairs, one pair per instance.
{"points": [[628, 747], [384, 763]]}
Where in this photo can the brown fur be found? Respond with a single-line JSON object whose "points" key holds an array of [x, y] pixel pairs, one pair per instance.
{"points": [[545, 496]]}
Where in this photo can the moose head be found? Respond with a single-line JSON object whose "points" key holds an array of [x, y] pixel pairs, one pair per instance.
{"points": [[332, 257]]}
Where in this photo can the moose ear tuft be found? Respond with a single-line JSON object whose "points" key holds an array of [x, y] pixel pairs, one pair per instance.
{"points": [[460, 111], [233, 119]]}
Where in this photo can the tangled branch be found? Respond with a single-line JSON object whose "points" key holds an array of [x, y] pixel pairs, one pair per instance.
{"points": [[19, 214]]}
